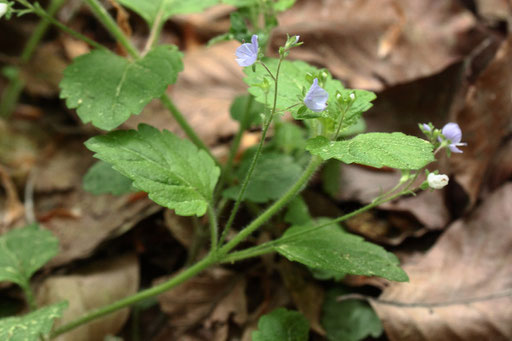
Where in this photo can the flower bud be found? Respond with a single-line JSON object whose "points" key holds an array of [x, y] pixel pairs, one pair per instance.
{"points": [[3, 9], [437, 181]]}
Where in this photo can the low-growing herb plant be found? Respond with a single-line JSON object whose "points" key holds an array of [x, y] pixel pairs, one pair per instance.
{"points": [[184, 176]]}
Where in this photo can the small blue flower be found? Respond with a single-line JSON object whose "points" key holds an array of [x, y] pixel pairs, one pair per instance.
{"points": [[248, 53], [316, 98], [426, 127], [452, 133]]}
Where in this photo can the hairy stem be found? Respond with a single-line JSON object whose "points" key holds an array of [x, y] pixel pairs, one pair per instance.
{"points": [[29, 296], [104, 17], [214, 229], [189, 131], [269, 246], [274, 208], [228, 167], [254, 161]]}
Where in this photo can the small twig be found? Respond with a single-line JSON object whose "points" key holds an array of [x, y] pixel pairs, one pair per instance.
{"points": [[29, 198], [503, 294]]}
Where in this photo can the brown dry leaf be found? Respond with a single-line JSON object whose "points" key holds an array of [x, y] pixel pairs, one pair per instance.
{"points": [[100, 284], [203, 93], [79, 219], [307, 296], [12, 208], [458, 290], [43, 73], [344, 36], [500, 169], [182, 228], [208, 300], [485, 120], [494, 11], [364, 184]]}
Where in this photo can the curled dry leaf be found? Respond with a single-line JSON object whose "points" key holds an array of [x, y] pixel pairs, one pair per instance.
{"points": [[485, 120], [208, 300], [115, 279], [307, 295], [347, 36], [461, 289], [364, 184], [79, 219]]}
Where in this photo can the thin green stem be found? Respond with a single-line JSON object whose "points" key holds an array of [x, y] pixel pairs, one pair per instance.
{"points": [[269, 72], [156, 28], [254, 161], [313, 165], [341, 121], [29, 296], [128, 301], [16, 84], [247, 178], [226, 173], [189, 131], [214, 229], [106, 19], [48, 17], [269, 246]]}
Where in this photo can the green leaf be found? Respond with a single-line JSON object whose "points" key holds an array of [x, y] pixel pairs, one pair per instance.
{"points": [[273, 175], [101, 178], [107, 89], [289, 137], [241, 3], [331, 176], [331, 248], [31, 326], [173, 172], [297, 212], [395, 150], [362, 103], [283, 5], [238, 111], [24, 251], [349, 320], [150, 9], [293, 81], [280, 325]]}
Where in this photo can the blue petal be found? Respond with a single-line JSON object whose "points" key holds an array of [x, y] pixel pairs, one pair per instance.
{"points": [[247, 53], [452, 132], [316, 98]]}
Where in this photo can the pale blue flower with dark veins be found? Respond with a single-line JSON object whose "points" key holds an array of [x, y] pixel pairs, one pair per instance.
{"points": [[452, 133], [316, 98], [248, 53]]}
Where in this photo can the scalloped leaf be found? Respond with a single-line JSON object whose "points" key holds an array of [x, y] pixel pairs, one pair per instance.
{"points": [[107, 89], [395, 150], [25, 250], [150, 9], [282, 324], [173, 171], [332, 249], [101, 178], [31, 326]]}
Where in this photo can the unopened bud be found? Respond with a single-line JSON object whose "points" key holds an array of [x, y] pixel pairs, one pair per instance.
{"points": [[437, 181]]}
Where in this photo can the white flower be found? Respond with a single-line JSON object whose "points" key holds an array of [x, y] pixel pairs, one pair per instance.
{"points": [[3, 9], [437, 181]]}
